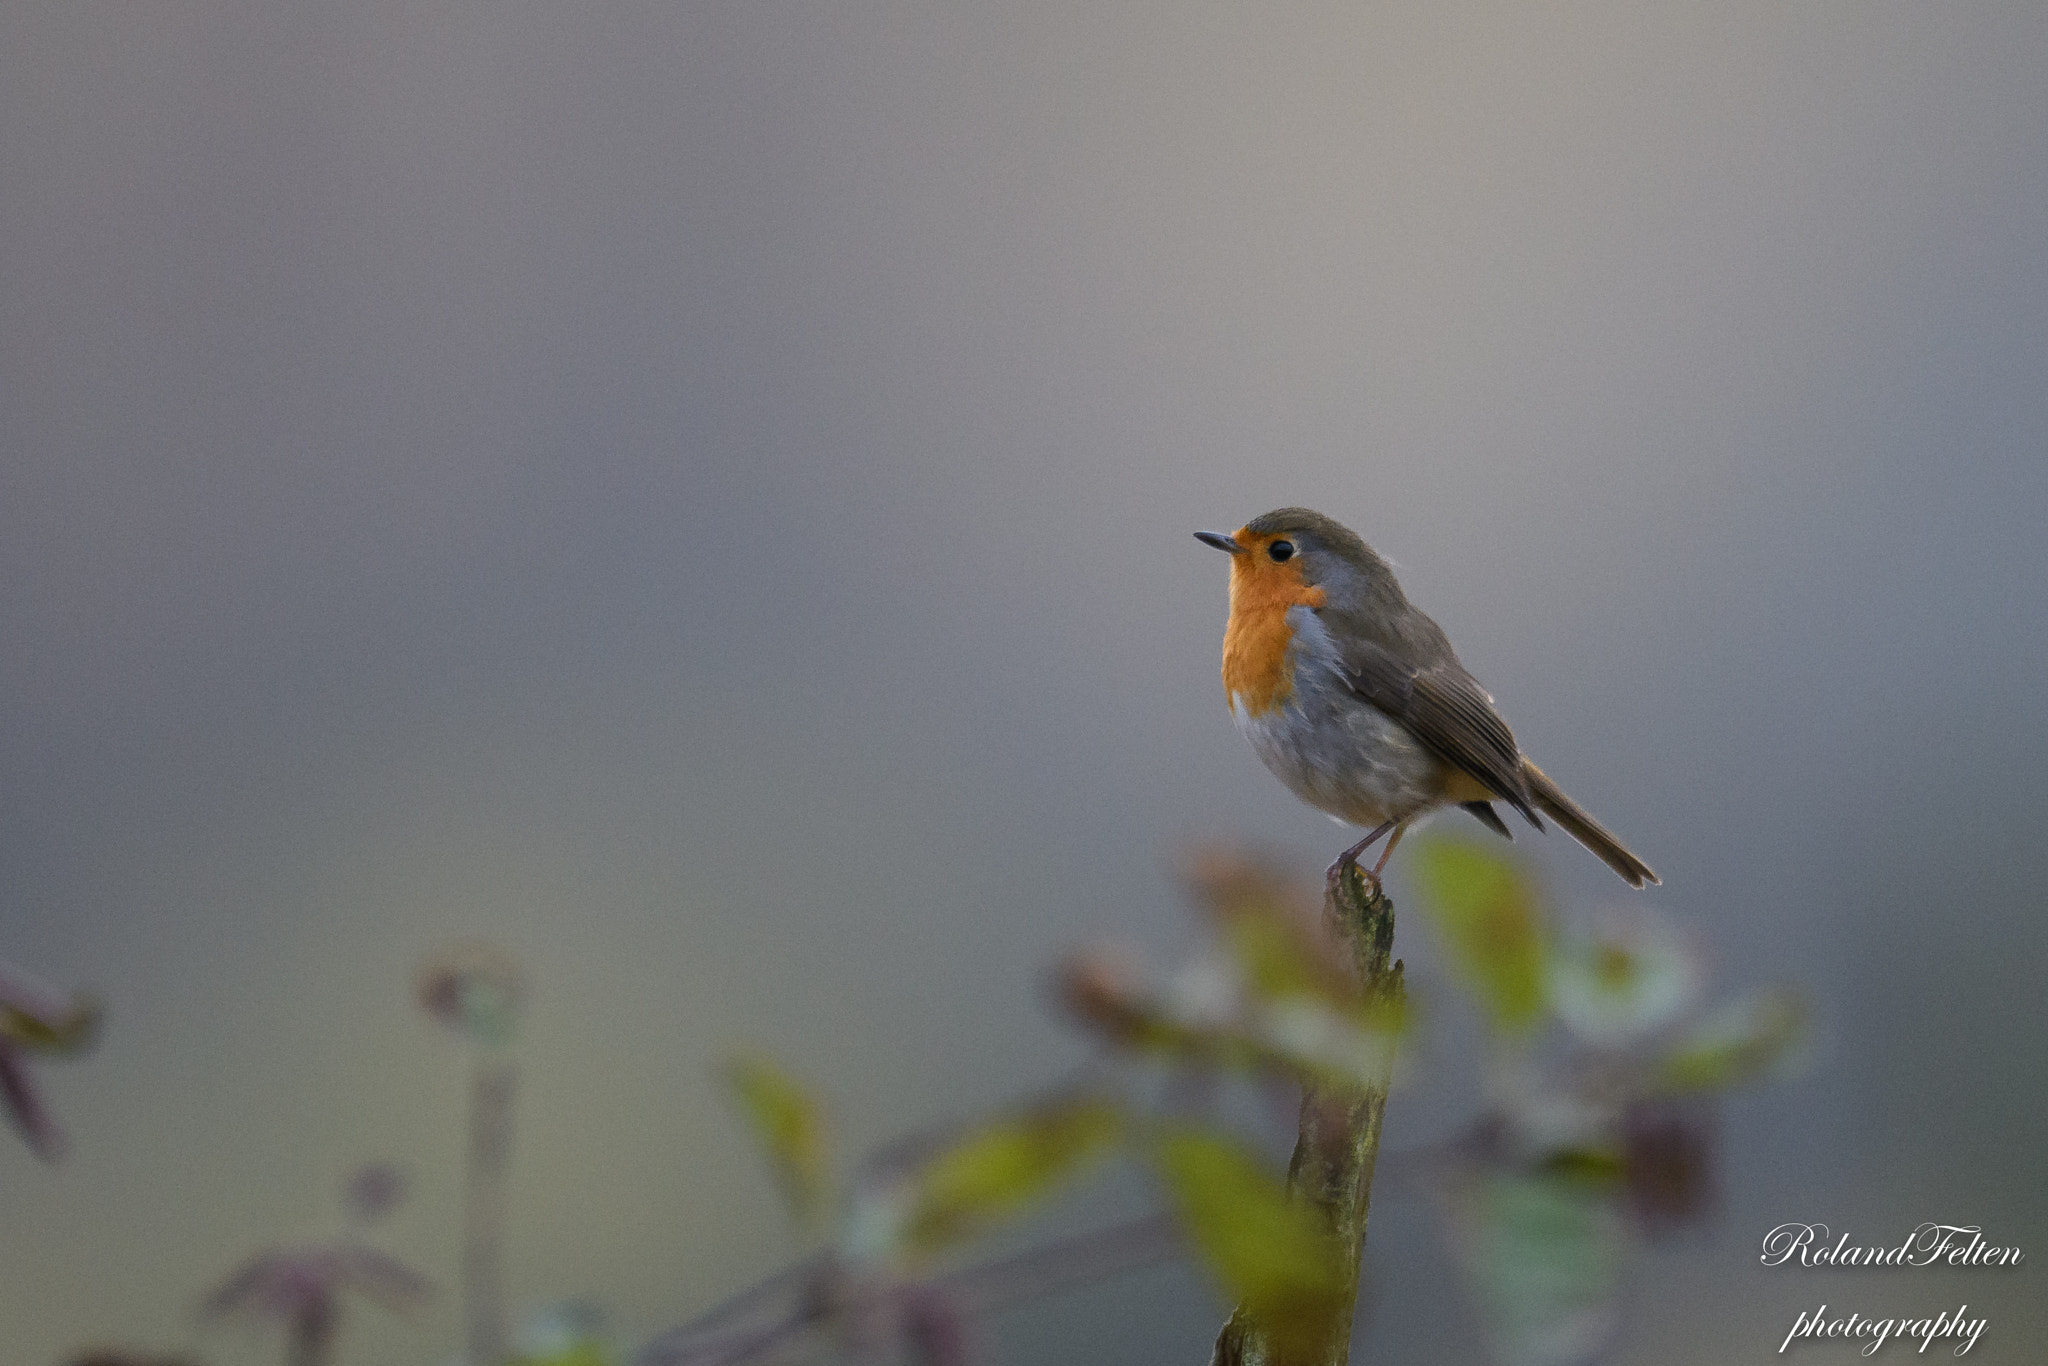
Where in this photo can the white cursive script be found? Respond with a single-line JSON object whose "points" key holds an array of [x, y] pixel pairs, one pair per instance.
{"points": [[1879, 1331], [1947, 1244]]}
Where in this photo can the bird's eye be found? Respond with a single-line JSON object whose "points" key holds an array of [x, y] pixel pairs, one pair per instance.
{"points": [[1281, 551]]}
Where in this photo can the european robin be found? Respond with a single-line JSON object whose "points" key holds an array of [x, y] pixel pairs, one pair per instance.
{"points": [[1357, 702]]}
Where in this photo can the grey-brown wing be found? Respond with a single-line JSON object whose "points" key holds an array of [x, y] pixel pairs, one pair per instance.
{"points": [[1445, 708]]}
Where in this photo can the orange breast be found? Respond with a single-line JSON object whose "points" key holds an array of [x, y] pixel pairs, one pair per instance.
{"points": [[1255, 642]]}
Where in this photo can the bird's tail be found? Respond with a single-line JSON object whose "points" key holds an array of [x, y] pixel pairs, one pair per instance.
{"points": [[1584, 828]]}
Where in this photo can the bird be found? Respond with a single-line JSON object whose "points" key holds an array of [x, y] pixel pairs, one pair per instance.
{"points": [[1357, 703]]}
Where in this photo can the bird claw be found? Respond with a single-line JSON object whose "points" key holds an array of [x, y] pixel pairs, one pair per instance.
{"points": [[1333, 877], [1349, 858]]}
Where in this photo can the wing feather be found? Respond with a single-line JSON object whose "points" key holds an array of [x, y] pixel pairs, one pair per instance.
{"points": [[1489, 818], [1445, 708]]}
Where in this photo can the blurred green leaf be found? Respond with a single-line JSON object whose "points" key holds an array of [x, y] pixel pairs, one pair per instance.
{"points": [[71, 1032], [1593, 1167], [1272, 1254], [1544, 1257], [1274, 930], [1000, 1169], [584, 1353], [1736, 1043], [1275, 959], [791, 1127], [565, 1333], [1487, 914]]}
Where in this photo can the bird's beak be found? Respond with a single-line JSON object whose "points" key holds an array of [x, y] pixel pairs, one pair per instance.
{"points": [[1220, 541]]}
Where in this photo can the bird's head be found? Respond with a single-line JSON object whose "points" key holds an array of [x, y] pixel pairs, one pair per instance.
{"points": [[1294, 547]]}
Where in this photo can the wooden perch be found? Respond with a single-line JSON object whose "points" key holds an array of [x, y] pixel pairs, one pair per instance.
{"points": [[1338, 1144]]}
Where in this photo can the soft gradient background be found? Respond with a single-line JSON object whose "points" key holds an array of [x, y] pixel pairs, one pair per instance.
{"points": [[700, 494]]}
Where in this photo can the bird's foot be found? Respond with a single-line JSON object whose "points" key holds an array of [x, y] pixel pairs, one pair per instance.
{"points": [[1334, 876], [1348, 860]]}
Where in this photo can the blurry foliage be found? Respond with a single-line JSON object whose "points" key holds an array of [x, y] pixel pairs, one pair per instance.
{"points": [[1282, 943], [1543, 1255], [1598, 1127], [1738, 1043], [1283, 996], [567, 1334], [1268, 1251], [1606, 1134], [1667, 1162], [373, 1190], [1486, 914], [73, 1030], [301, 1290], [791, 1128], [37, 1020], [1621, 976], [1006, 1167], [882, 1280], [584, 1353], [476, 989], [905, 1211]]}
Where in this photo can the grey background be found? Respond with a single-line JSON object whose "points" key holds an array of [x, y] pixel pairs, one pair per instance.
{"points": [[700, 494]]}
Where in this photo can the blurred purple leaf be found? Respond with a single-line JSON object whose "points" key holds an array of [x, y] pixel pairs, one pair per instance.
{"points": [[31, 1117], [934, 1328], [1668, 1165], [373, 1190], [384, 1279], [300, 1289]]}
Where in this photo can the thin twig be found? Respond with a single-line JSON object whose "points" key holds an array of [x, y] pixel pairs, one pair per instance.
{"points": [[1070, 1261], [490, 1143]]}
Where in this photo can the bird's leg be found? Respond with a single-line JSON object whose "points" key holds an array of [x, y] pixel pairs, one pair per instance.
{"points": [[1349, 858], [1388, 852]]}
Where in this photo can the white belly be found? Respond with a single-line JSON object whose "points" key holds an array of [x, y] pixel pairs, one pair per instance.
{"points": [[1334, 751]]}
